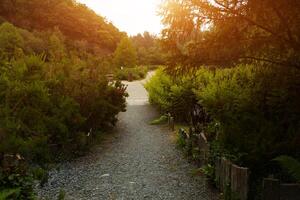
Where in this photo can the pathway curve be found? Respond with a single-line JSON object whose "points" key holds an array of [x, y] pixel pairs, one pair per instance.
{"points": [[140, 162]]}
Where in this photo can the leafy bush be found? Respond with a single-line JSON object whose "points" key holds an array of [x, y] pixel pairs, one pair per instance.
{"points": [[172, 95], [257, 110], [51, 103], [15, 180], [253, 111], [161, 120], [291, 165], [130, 74]]}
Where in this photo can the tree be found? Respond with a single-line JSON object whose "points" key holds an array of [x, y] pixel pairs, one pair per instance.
{"points": [[148, 49], [10, 40], [75, 20], [125, 54], [228, 32]]}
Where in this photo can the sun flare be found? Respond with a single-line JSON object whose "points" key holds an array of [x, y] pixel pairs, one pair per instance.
{"points": [[132, 16]]}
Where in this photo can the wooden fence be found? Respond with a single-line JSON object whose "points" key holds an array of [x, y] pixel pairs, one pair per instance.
{"points": [[232, 178], [274, 190], [229, 177]]}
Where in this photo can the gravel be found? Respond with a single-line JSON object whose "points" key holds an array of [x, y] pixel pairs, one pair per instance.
{"points": [[140, 161]]}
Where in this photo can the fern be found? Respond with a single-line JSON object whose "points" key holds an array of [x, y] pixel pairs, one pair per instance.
{"points": [[291, 165]]}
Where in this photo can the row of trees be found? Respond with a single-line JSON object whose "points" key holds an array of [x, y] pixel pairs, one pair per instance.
{"points": [[136, 55], [139, 50], [76, 21]]}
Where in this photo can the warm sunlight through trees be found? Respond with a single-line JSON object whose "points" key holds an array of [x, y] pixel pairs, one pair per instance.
{"points": [[244, 56], [131, 16], [226, 32], [125, 54], [224, 75]]}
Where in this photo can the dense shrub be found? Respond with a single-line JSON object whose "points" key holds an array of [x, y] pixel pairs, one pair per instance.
{"points": [[53, 99], [172, 95], [253, 112], [50, 102], [130, 74], [15, 180], [258, 111]]}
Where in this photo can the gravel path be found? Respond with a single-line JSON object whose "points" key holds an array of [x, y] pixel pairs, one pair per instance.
{"points": [[139, 162]]}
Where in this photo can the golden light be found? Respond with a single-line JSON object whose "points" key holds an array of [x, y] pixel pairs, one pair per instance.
{"points": [[132, 16]]}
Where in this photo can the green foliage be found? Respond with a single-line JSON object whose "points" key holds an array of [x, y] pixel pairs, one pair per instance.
{"points": [[253, 111], [161, 120], [256, 108], [256, 103], [174, 96], [45, 102], [208, 170], [10, 41], [54, 99], [148, 49], [40, 174], [291, 165], [125, 54], [130, 74], [61, 195], [158, 88], [229, 32], [75, 20], [181, 143], [15, 179], [5, 194]]}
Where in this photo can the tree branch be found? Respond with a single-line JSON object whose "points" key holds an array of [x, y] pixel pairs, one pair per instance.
{"points": [[280, 63], [231, 11]]}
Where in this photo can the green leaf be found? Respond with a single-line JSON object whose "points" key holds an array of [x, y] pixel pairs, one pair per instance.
{"points": [[291, 165]]}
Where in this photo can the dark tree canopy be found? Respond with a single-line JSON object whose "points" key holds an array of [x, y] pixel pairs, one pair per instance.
{"points": [[228, 32], [74, 20]]}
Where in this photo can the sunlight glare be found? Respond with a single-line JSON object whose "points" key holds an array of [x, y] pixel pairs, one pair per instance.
{"points": [[132, 16]]}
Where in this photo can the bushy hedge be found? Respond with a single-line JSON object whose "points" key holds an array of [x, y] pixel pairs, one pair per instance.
{"points": [[130, 74], [53, 97], [172, 95], [253, 112]]}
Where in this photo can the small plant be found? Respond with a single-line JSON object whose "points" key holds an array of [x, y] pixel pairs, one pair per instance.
{"points": [[181, 140], [16, 186], [209, 171], [9, 193], [161, 120], [41, 175], [62, 195], [291, 165]]}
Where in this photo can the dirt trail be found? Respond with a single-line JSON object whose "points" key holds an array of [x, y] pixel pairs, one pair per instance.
{"points": [[140, 162]]}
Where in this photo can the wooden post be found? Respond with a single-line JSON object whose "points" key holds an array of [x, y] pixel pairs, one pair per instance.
{"points": [[290, 191], [218, 171], [271, 189], [225, 174], [172, 124], [239, 181]]}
